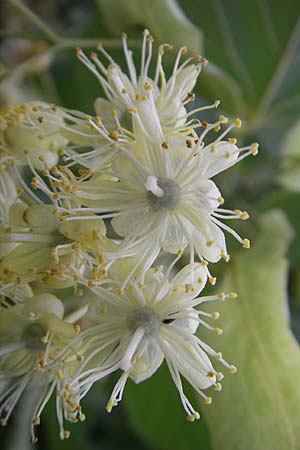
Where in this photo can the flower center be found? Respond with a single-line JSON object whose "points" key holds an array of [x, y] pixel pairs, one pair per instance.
{"points": [[145, 318], [32, 337], [163, 194]]}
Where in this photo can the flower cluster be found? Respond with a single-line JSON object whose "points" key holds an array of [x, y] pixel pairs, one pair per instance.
{"points": [[91, 208]]}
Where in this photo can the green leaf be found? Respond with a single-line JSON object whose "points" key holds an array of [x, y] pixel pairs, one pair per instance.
{"points": [[289, 177], [155, 412], [257, 44], [259, 407], [165, 19]]}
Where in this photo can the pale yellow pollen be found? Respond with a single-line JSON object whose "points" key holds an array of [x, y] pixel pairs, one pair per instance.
{"points": [[60, 374], [208, 401], [221, 200], [147, 86], [215, 315], [243, 215], [219, 376], [218, 331], [193, 417], [232, 141], [238, 123], [225, 256], [232, 369], [218, 356], [110, 405], [218, 387], [212, 280], [223, 119], [246, 243], [254, 148]]}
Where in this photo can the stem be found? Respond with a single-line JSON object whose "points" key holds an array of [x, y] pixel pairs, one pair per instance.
{"points": [[36, 20], [64, 44]]}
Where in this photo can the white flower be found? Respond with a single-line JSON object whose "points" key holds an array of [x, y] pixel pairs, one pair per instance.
{"points": [[148, 324], [23, 135], [124, 92], [160, 196], [36, 243], [31, 336]]}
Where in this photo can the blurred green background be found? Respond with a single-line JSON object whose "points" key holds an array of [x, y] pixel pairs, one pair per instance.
{"points": [[253, 48]]}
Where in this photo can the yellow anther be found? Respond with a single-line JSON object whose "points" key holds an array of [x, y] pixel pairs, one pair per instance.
{"points": [[219, 356], [199, 280], [204, 263], [217, 103], [215, 315], [209, 243], [232, 295], [76, 328], [225, 256], [114, 113], [213, 148], [147, 86], [212, 280], [120, 292], [208, 401], [219, 376], [232, 141], [223, 119], [221, 200], [211, 374], [218, 331], [218, 387], [222, 295], [82, 417], [232, 369], [60, 374], [165, 145], [124, 91], [179, 252], [80, 358], [103, 310], [44, 339], [254, 148], [132, 110], [36, 421], [246, 243], [238, 123], [227, 155], [78, 292]]}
